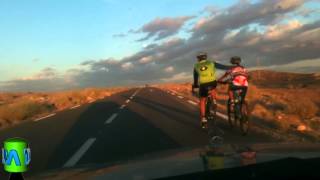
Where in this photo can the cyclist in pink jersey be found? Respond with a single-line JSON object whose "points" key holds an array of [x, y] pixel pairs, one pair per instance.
{"points": [[237, 77]]}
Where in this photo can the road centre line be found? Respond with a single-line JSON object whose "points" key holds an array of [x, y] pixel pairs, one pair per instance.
{"points": [[221, 115], [81, 151], [74, 107], [127, 101], [111, 118], [180, 97], [191, 102], [123, 106], [50, 115]]}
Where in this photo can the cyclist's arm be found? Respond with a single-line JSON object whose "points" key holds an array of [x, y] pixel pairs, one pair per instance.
{"points": [[221, 79], [195, 77], [222, 66]]}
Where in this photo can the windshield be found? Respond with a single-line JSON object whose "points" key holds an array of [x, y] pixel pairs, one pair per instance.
{"points": [[105, 83]]}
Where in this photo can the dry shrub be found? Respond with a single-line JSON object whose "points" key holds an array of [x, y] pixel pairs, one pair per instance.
{"points": [[303, 107], [22, 110], [17, 107]]}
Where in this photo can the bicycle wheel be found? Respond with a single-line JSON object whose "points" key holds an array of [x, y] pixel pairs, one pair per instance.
{"points": [[231, 118], [244, 121]]}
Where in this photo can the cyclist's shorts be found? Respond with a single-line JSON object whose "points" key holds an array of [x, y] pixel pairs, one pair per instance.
{"points": [[244, 90], [206, 87]]}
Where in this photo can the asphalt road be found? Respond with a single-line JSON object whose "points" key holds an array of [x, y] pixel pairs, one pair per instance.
{"points": [[121, 127]]}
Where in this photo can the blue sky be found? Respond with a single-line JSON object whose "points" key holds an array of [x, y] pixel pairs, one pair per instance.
{"points": [[46, 40], [62, 34]]}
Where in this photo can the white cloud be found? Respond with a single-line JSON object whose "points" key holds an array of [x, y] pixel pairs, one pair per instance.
{"points": [[127, 65], [169, 69], [178, 77], [276, 31], [303, 66], [47, 73], [146, 59], [161, 28]]}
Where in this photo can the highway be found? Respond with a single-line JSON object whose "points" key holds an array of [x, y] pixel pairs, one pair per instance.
{"points": [[118, 128]]}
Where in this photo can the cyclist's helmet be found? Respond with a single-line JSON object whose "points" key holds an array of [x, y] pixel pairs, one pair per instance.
{"points": [[202, 56], [235, 60]]}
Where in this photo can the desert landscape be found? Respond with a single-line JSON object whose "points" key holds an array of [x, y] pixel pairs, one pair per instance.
{"points": [[19, 107], [285, 105]]}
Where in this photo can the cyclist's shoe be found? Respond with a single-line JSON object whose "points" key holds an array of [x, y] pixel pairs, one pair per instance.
{"points": [[204, 123]]}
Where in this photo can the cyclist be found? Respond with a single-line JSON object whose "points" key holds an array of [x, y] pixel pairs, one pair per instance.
{"points": [[204, 78], [237, 77]]}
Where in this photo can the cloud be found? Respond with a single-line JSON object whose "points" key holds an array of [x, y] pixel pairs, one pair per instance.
{"points": [[47, 73], [303, 66], [213, 10], [127, 66], [146, 59], [306, 12], [251, 30], [169, 69], [183, 76], [47, 79], [243, 13], [161, 28]]}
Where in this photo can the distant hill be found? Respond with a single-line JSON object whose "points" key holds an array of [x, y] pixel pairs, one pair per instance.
{"points": [[275, 79]]}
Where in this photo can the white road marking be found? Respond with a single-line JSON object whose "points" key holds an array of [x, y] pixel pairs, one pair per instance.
{"points": [[77, 156], [222, 116], [131, 97], [74, 107], [123, 106], [180, 97], [127, 101], [50, 115], [191, 102], [135, 93], [111, 118]]}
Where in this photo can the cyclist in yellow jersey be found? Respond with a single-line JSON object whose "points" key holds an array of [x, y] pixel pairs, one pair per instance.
{"points": [[204, 75]]}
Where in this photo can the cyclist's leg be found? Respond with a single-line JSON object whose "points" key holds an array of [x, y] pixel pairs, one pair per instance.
{"points": [[213, 92], [244, 93], [231, 93], [202, 107], [231, 90], [203, 92]]}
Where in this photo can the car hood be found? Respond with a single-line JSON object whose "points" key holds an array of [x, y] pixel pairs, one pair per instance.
{"points": [[180, 161]]}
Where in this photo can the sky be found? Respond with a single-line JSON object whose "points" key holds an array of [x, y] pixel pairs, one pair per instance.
{"points": [[53, 45]]}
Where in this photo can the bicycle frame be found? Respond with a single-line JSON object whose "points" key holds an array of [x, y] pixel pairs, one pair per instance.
{"points": [[238, 102], [208, 107]]}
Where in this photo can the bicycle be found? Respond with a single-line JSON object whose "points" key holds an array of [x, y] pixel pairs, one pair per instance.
{"points": [[214, 132], [210, 111], [239, 112]]}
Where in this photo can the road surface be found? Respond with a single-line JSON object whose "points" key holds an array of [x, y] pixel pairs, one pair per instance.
{"points": [[123, 126]]}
